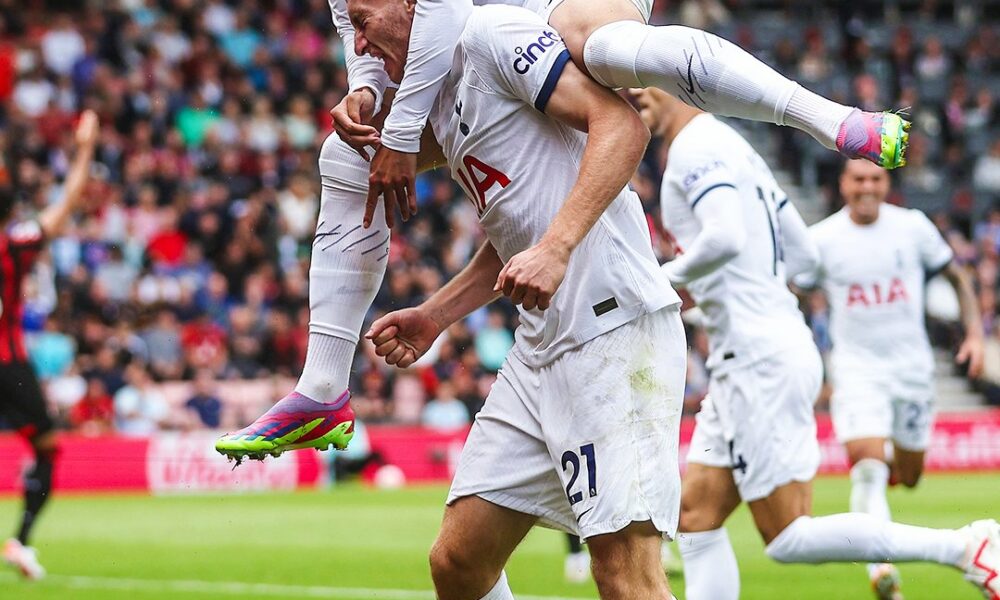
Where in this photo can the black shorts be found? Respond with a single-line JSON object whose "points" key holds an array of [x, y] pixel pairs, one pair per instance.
{"points": [[22, 404]]}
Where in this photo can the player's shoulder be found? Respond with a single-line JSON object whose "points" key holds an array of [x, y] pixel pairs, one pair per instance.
{"points": [[493, 21], [905, 218], [703, 141], [829, 227]]}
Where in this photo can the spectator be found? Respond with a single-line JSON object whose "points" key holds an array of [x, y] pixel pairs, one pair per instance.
{"points": [[446, 411], [494, 341], [94, 414], [140, 409], [52, 351], [204, 407]]}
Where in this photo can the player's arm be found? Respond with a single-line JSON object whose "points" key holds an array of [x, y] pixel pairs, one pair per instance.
{"points": [[722, 236], [616, 142], [972, 348], [367, 82], [437, 26], [404, 336], [53, 219], [801, 253]]}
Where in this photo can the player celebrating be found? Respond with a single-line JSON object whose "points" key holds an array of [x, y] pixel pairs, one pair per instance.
{"points": [[755, 436], [21, 399], [612, 41], [580, 431], [874, 261]]}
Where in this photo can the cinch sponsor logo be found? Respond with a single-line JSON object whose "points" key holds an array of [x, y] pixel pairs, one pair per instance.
{"points": [[695, 174], [528, 56]]}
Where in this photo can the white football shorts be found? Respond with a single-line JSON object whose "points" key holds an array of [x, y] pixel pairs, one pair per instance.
{"points": [[587, 443], [870, 404], [758, 421]]}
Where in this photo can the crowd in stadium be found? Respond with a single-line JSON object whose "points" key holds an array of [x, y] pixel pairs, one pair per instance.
{"points": [[191, 261]]}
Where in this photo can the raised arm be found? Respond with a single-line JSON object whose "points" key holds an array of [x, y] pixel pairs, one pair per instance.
{"points": [[403, 336], [616, 141], [53, 219]]}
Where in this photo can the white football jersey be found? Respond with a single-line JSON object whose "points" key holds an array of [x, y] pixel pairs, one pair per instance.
{"points": [[874, 277], [749, 309], [518, 166]]}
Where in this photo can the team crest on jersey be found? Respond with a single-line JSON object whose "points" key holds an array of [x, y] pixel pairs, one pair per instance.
{"points": [[530, 55]]}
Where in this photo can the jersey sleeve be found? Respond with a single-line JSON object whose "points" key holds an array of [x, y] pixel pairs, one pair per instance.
{"points": [[721, 238], [808, 279], [437, 26], [25, 240], [362, 71], [516, 52], [701, 174], [935, 253], [801, 254]]}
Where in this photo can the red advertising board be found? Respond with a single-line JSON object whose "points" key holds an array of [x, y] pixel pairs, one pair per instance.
{"points": [[172, 463]]}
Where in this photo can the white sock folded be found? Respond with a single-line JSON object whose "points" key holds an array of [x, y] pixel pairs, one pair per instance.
{"points": [[327, 371], [710, 73], [710, 571], [859, 537], [500, 591]]}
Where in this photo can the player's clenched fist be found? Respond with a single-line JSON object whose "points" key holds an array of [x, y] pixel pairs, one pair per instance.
{"points": [[532, 277], [403, 336]]}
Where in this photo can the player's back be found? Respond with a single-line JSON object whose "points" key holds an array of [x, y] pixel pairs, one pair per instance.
{"points": [[874, 277], [518, 165], [749, 309], [20, 244]]}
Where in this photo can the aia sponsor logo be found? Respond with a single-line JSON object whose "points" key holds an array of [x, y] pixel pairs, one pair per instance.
{"points": [[535, 50], [877, 294]]}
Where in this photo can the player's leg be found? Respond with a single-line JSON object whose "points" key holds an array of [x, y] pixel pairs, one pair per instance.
{"points": [[348, 263], [476, 539], [616, 46], [912, 426], [862, 418], [24, 406], [626, 563], [577, 566], [708, 497]]}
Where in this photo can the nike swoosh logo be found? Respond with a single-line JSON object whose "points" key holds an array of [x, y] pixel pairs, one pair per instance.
{"points": [[690, 76], [583, 513]]}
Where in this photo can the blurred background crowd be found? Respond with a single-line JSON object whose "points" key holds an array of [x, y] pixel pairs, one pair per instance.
{"points": [[191, 260]]}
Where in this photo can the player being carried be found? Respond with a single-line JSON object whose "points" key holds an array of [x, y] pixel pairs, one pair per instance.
{"points": [[610, 40], [21, 399], [740, 238], [580, 431], [874, 261]]}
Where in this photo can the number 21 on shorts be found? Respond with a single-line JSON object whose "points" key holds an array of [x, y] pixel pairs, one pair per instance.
{"points": [[570, 460]]}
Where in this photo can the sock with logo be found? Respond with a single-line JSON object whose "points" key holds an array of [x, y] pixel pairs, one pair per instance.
{"points": [[710, 73]]}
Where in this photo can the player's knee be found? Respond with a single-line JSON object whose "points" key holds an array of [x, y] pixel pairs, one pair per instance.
{"points": [[449, 564]]}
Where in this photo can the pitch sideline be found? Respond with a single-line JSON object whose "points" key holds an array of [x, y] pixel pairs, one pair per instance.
{"points": [[238, 588]]}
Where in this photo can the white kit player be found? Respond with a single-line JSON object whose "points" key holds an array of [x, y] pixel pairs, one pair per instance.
{"points": [[739, 240], [875, 259], [613, 42], [580, 431]]}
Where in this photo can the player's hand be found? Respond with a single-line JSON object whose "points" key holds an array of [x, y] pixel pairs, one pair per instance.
{"points": [[532, 277], [403, 336], [352, 118], [87, 129], [392, 177], [971, 351]]}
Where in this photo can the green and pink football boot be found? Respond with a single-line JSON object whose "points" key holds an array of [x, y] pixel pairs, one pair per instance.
{"points": [[294, 423], [881, 138]]}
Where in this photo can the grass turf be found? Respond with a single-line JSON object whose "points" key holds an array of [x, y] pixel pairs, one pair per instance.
{"points": [[353, 537]]}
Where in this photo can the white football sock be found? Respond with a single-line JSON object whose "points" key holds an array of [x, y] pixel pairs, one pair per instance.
{"points": [[857, 537], [327, 371], [348, 263], [869, 479], [710, 571], [710, 73], [501, 591]]}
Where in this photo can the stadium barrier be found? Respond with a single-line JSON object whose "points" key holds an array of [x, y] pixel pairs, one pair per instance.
{"points": [[172, 463]]}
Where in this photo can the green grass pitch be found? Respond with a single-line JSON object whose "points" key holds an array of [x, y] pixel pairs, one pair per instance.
{"points": [[354, 543]]}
